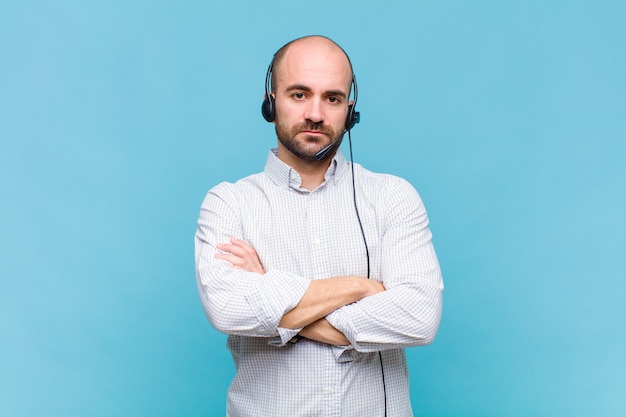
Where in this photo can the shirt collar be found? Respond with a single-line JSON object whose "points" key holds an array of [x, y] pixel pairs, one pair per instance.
{"points": [[285, 176]]}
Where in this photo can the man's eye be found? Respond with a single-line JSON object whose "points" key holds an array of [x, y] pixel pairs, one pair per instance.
{"points": [[298, 96], [333, 100]]}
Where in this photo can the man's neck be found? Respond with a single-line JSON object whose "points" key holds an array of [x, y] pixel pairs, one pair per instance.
{"points": [[311, 172]]}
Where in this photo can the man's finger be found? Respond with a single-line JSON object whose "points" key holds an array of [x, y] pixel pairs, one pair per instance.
{"points": [[233, 259]]}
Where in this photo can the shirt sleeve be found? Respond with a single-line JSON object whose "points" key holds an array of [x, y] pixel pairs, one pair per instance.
{"points": [[240, 302], [409, 311]]}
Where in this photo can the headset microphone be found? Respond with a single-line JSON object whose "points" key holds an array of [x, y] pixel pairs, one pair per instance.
{"points": [[322, 153]]}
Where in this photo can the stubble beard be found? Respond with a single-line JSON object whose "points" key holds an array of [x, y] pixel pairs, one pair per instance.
{"points": [[287, 137]]}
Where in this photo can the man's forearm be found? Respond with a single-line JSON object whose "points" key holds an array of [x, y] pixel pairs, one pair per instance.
{"points": [[327, 295], [322, 331], [322, 297]]}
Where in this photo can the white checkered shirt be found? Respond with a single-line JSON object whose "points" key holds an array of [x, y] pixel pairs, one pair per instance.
{"points": [[302, 235]]}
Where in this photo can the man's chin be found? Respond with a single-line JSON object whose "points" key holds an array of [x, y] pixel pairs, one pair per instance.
{"points": [[305, 146], [307, 154], [308, 148]]}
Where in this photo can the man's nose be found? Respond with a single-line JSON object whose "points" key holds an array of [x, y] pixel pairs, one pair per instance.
{"points": [[314, 111]]}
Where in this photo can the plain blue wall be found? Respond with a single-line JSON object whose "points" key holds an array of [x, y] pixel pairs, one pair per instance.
{"points": [[117, 116]]}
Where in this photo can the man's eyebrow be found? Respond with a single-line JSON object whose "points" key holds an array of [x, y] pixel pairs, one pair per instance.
{"points": [[302, 87], [336, 93]]}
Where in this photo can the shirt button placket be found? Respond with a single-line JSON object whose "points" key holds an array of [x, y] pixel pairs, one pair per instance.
{"points": [[316, 219]]}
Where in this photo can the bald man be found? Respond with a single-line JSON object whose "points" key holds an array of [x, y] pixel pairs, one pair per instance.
{"points": [[320, 271]]}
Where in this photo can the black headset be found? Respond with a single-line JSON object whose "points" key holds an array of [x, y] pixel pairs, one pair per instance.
{"points": [[268, 108]]}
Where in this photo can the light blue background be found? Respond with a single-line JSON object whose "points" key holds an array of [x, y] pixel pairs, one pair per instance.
{"points": [[117, 116]]}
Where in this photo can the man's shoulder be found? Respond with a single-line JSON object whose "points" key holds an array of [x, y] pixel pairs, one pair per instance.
{"points": [[239, 189], [382, 181], [388, 192]]}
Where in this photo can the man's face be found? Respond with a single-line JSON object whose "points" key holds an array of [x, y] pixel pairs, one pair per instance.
{"points": [[313, 83]]}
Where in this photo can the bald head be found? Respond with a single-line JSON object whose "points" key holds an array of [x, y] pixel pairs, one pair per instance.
{"points": [[308, 47]]}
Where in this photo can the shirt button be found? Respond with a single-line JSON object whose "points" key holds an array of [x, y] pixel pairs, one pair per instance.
{"points": [[316, 241]]}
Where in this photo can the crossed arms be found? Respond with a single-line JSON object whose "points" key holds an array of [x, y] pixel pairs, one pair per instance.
{"points": [[241, 297], [322, 297]]}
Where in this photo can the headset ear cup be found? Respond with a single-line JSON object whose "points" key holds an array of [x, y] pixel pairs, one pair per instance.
{"points": [[267, 108], [352, 118]]}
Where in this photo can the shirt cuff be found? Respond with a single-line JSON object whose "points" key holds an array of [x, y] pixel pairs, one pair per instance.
{"points": [[276, 294], [340, 320], [345, 353], [284, 336]]}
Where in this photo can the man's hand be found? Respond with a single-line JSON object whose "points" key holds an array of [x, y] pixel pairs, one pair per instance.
{"points": [[240, 255]]}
